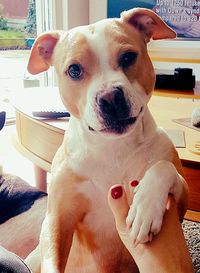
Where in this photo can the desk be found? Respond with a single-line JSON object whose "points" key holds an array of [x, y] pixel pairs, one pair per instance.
{"points": [[38, 140], [176, 93], [174, 55]]}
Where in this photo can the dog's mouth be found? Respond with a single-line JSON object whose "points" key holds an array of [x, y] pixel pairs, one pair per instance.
{"points": [[117, 127]]}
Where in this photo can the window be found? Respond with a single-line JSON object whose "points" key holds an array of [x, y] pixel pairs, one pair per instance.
{"points": [[20, 22]]}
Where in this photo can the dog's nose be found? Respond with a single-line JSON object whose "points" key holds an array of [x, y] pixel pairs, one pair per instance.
{"points": [[114, 104]]}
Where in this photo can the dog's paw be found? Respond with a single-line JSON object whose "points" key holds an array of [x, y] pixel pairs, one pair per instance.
{"points": [[145, 216]]}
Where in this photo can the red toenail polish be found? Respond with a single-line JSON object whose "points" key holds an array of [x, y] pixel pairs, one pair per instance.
{"points": [[134, 183], [116, 192]]}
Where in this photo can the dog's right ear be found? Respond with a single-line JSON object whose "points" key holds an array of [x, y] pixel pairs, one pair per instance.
{"points": [[41, 52], [148, 23]]}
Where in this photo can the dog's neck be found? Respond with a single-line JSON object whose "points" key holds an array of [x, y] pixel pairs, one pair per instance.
{"points": [[106, 161]]}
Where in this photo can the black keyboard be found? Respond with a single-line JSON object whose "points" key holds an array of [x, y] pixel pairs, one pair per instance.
{"points": [[50, 114]]}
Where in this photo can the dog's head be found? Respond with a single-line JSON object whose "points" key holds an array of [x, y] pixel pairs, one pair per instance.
{"points": [[104, 72]]}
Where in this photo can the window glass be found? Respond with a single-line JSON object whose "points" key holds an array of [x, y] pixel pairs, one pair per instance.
{"points": [[20, 21], [17, 34]]}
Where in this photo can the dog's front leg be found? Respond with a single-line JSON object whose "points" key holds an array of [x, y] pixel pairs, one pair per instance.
{"points": [[150, 200], [66, 206]]}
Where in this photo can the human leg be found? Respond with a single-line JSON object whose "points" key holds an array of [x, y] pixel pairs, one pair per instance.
{"points": [[167, 252]]}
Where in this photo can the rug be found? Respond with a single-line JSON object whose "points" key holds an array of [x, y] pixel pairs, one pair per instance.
{"points": [[192, 235]]}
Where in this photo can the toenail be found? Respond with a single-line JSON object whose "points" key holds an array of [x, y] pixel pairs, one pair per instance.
{"points": [[134, 183], [116, 192]]}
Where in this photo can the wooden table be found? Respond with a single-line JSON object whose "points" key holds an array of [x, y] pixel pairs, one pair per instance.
{"points": [[38, 140]]}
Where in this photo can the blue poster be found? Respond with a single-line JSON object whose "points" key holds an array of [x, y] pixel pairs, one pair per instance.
{"points": [[181, 15], [115, 7]]}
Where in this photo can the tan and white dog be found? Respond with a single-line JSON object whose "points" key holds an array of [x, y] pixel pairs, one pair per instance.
{"points": [[105, 80]]}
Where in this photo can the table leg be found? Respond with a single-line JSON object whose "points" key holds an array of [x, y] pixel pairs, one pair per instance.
{"points": [[40, 178]]}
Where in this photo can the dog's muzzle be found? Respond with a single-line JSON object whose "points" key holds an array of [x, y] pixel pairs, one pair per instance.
{"points": [[114, 111]]}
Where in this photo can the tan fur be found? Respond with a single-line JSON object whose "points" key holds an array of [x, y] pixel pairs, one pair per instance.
{"points": [[123, 38], [74, 97]]}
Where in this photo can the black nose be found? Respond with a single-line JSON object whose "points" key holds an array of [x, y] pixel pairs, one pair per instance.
{"points": [[114, 104]]}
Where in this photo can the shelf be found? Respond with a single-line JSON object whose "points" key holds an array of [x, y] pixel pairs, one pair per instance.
{"points": [[179, 55], [175, 93]]}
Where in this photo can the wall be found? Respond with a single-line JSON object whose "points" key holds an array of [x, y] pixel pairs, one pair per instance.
{"points": [[98, 10], [75, 13]]}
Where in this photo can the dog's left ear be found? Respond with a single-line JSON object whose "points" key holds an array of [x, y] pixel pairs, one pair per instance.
{"points": [[42, 51], [149, 23]]}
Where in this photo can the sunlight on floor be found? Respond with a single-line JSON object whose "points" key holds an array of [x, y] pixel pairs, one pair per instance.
{"points": [[11, 160]]}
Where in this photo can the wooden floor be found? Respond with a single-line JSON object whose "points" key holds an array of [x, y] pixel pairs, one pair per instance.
{"points": [[193, 215]]}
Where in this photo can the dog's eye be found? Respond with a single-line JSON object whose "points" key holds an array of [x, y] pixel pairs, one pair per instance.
{"points": [[127, 59], [75, 71]]}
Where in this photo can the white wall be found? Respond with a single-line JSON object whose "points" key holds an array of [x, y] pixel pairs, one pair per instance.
{"points": [[97, 10], [77, 13]]}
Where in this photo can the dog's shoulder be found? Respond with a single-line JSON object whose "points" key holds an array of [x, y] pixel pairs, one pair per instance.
{"points": [[16, 196], [163, 138], [162, 146]]}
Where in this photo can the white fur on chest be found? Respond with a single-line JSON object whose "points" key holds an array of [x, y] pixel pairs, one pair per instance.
{"points": [[105, 162]]}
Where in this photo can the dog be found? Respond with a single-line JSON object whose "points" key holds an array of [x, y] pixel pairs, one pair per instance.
{"points": [[22, 211], [105, 80]]}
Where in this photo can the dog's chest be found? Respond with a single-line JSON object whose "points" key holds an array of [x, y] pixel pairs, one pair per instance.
{"points": [[115, 166], [96, 235], [102, 176], [99, 217], [96, 244], [109, 168]]}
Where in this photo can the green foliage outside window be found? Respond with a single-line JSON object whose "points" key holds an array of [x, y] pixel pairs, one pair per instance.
{"points": [[3, 20], [30, 26]]}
